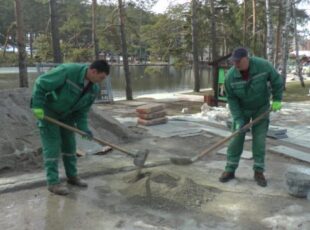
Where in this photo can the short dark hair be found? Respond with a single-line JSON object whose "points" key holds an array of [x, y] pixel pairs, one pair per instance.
{"points": [[101, 66]]}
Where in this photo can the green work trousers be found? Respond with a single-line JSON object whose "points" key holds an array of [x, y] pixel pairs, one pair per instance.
{"points": [[259, 132], [56, 140]]}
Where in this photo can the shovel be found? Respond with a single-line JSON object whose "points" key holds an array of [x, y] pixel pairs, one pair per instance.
{"points": [[187, 161], [139, 158]]}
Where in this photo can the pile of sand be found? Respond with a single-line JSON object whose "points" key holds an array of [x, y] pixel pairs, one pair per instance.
{"points": [[167, 191], [19, 135], [20, 146]]}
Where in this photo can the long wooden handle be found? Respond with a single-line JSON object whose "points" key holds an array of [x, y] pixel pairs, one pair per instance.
{"points": [[73, 129], [243, 129]]}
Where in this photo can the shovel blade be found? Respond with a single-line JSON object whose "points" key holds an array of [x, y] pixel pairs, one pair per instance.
{"points": [[140, 157]]}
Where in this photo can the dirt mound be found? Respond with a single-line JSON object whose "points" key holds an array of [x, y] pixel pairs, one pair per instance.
{"points": [[167, 191], [19, 135], [20, 146]]}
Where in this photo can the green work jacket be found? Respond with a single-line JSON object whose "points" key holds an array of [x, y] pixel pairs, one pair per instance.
{"points": [[59, 93], [254, 93]]}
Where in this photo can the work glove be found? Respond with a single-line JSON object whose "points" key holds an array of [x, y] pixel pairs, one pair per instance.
{"points": [[276, 106], [88, 135], [38, 113]]}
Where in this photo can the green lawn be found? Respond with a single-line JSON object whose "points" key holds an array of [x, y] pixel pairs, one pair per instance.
{"points": [[295, 92]]}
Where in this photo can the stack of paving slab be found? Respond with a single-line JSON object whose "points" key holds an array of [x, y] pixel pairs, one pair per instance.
{"points": [[151, 114]]}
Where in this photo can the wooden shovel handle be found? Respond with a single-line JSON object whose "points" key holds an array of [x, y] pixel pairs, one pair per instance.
{"points": [[243, 129], [73, 129]]}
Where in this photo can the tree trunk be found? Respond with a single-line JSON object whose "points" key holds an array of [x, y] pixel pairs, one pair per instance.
{"points": [[124, 51], [22, 56], [298, 65], [31, 44], [269, 43], [213, 31], [214, 51], [195, 47], [245, 20], [55, 32], [278, 41], [285, 44], [254, 25], [94, 30]]}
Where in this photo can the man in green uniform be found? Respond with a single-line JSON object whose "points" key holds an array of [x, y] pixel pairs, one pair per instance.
{"points": [[248, 86], [65, 93]]}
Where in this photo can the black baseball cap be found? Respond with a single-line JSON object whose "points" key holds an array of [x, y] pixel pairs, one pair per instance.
{"points": [[239, 53]]}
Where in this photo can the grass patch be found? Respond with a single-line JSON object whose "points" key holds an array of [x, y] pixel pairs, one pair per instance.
{"points": [[295, 92]]}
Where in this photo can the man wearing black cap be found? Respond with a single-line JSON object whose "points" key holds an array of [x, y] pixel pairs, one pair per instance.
{"points": [[248, 86]]}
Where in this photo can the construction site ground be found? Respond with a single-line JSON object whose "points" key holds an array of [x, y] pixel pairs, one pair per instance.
{"points": [[165, 196]]}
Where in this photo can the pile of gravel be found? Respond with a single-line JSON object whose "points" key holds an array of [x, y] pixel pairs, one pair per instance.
{"points": [[167, 191]]}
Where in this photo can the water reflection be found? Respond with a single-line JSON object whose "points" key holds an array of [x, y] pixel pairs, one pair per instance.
{"points": [[162, 79]]}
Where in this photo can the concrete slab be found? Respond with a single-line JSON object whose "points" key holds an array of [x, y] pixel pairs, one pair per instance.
{"points": [[179, 127], [277, 132], [291, 153], [175, 128], [245, 154], [298, 136], [200, 122]]}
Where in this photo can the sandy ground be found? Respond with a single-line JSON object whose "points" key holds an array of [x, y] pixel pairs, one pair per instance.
{"points": [[169, 196]]}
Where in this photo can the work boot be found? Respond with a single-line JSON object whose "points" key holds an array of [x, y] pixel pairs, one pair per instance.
{"points": [[226, 176], [58, 189], [76, 181], [260, 179]]}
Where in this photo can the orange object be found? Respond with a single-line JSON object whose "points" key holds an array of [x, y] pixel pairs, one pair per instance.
{"points": [[156, 121], [209, 100], [149, 116], [150, 108]]}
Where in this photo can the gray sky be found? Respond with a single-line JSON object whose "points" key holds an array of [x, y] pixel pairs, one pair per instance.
{"points": [[162, 5]]}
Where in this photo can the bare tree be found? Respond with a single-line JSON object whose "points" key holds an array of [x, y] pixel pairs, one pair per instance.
{"points": [[285, 33], [278, 39], [55, 32], [298, 64], [254, 26], [94, 30], [245, 20], [195, 46], [124, 50], [22, 56], [269, 33]]}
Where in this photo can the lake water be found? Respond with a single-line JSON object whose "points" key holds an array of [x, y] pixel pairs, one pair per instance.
{"points": [[163, 79]]}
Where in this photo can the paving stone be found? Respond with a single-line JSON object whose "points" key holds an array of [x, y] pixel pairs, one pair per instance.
{"points": [[298, 136], [298, 181], [277, 132], [155, 121], [150, 108], [291, 152], [245, 154]]}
